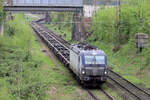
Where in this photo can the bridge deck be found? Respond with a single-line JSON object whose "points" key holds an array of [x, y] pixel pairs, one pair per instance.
{"points": [[44, 8]]}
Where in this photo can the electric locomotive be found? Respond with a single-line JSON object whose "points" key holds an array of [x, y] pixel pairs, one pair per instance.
{"points": [[88, 63]]}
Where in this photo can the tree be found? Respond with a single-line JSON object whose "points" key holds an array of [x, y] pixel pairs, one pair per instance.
{"points": [[1, 10]]}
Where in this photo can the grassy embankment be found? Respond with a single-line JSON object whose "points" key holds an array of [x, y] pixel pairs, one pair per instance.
{"points": [[64, 25], [26, 72], [132, 65]]}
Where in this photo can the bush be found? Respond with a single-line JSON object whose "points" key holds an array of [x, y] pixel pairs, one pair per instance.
{"points": [[11, 30], [1, 10]]}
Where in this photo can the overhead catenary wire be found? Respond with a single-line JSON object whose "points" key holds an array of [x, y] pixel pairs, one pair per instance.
{"points": [[94, 22]]}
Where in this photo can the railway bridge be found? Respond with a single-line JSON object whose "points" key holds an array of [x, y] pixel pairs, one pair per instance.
{"points": [[43, 5], [47, 6]]}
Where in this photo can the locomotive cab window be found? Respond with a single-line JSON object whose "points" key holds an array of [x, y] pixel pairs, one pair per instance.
{"points": [[100, 59], [94, 61]]}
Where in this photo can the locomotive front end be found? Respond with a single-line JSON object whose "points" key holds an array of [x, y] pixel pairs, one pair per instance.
{"points": [[93, 66], [88, 63]]}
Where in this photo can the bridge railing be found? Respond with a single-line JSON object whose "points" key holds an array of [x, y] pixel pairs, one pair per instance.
{"points": [[47, 3]]}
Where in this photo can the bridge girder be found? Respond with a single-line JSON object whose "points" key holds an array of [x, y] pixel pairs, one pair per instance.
{"points": [[43, 9]]}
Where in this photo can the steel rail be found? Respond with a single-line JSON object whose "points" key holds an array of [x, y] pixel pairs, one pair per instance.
{"points": [[92, 95], [137, 92], [107, 94]]}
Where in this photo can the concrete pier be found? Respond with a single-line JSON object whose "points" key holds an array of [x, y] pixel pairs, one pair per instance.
{"points": [[47, 18], [77, 30]]}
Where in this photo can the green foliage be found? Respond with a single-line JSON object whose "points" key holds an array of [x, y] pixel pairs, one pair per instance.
{"points": [[146, 54], [26, 73], [16, 70], [19, 70], [104, 25], [147, 60], [64, 32], [4, 91], [1, 10], [65, 27], [11, 30]]}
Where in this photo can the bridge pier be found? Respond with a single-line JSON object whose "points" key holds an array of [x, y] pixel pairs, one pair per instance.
{"points": [[10, 16], [77, 33], [47, 18]]}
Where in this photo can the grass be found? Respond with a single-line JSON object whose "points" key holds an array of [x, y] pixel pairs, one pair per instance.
{"points": [[62, 31], [21, 51], [39, 78]]}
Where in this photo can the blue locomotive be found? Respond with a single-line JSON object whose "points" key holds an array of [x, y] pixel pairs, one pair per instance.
{"points": [[88, 63]]}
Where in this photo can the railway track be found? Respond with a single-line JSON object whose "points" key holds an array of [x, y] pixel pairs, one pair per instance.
{"points": [[60, 47], [137, 92], [107, 94], [92, 95]]}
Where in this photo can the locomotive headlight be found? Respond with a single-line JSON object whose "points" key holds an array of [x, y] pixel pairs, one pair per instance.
{"points": [[83, 71], [105, 72]]}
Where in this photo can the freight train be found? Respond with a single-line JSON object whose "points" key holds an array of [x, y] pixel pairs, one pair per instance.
{"points": [[88, 63]]}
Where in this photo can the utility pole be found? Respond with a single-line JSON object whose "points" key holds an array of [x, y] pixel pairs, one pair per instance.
{"points": [[120, 27], [95, 6], [118, 20], [116, 36], [141, 15]]}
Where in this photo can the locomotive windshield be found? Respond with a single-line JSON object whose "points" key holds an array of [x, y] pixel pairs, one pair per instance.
{"points": [[94, 60]]}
